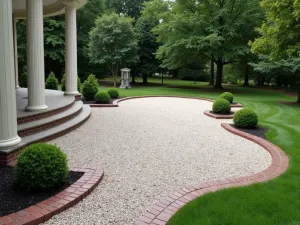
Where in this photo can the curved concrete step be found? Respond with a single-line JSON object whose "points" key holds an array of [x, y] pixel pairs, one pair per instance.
{"points": [[9, 156], [49, 122]]}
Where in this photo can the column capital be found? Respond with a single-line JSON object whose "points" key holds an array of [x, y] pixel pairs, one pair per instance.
{"points": [[71, 3]]}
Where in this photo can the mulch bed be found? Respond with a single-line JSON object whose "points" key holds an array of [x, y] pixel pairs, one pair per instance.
{"points": [[94, 102], [13, 198], [258, 131], [290, 103]]}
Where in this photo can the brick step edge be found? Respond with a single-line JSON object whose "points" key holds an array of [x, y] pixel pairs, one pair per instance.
{"points": [[67, 198], [162, 211]]}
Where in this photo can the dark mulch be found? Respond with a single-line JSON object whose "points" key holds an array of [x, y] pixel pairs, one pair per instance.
{"points": [[13, 198], [94, 102], [258, 131], [290, 103]]}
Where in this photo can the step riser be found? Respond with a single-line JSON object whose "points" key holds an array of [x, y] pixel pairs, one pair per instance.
{"points": [[44, 115], [11, 158], [34, 130]]}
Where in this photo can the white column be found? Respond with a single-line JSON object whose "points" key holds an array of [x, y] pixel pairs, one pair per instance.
{"points": [[71, 48], [8, 112], [35, 56], [16, 52]]}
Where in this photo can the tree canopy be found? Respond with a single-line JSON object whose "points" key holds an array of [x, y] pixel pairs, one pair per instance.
{"points": [[215, 30], [279, 43], [113, 42]]}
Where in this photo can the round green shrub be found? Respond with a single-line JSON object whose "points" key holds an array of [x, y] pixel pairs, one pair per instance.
{"points": [[245, 118], [90, 88], [52, 82], [102, 97], [23, 82], [41, 166], [113, 93], [228, 96], [63, 83], [221, 106]]}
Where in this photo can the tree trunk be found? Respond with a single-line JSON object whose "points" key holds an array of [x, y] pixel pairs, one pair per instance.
{"points": [[219, 77], [115, 77], [246, 80], [298, 100], [212, 73], [133, 78], [162, 77], [145, 78]]}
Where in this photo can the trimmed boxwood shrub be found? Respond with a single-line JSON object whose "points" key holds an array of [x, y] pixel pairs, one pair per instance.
{"points": [[228, 96], [41, 166], [245, 118], [113, 93], [63, 83], [221, 106], [90, 88], [102, 97], [52, 82], [23, 82]]}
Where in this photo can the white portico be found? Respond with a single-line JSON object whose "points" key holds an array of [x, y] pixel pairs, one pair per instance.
{"points": [[33, 11]]}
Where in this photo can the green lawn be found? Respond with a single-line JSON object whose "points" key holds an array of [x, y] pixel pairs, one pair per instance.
{"points": [[276, 202]]}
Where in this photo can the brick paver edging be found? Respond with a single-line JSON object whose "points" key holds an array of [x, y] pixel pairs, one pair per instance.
{"points": [[218, 116], [44, 210], [167, 206]]}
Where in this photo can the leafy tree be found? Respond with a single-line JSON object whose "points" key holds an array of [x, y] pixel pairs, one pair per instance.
{"points": [[113, 42], [131, 8], [147, 47], [214, 30], [279, 44]]}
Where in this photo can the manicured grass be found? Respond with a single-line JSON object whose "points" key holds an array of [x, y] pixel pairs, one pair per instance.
{"points": [[276, 202]]}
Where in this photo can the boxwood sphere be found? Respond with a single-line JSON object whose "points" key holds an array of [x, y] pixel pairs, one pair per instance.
{"points": [[113, 93], [102, 97], [221, 106], [41, 166], [245, 118], [228, 96]]}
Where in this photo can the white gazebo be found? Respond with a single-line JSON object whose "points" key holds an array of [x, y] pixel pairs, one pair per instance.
{"points": [[33, 11]]}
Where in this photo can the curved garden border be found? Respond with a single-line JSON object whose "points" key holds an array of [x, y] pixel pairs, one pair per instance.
{"points": [[218, 116], [167, 206], [116, 102], [67, 198]]}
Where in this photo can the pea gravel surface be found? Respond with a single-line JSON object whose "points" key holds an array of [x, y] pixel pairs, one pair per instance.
{"points": [[148, 148]]}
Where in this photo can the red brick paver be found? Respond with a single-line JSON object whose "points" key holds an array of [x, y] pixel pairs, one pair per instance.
{"points": [[162, 211], [218, 116], [44, 210]]}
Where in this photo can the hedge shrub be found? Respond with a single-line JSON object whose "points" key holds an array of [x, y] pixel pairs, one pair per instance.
{"points": [[23, 81], [41, 166], [63, 83], [90, 88], [245, 118], [221, 106], [52, 82], [113, 93], [228, 96], [102, 97]]}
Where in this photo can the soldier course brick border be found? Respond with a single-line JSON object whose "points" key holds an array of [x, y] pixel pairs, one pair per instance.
{"points": [[167, 206], [218, 116], [69, 197]]}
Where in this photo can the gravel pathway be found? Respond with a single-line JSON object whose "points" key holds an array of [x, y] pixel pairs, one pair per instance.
{"points": [[150, 147]]}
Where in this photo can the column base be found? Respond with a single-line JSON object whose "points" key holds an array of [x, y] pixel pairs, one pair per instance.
{"points": [[36, 108], [10, 143], [17, 87], [72, 93]]}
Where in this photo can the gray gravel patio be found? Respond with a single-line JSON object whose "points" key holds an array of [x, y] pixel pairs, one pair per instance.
{"points": [[150, 147]]}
